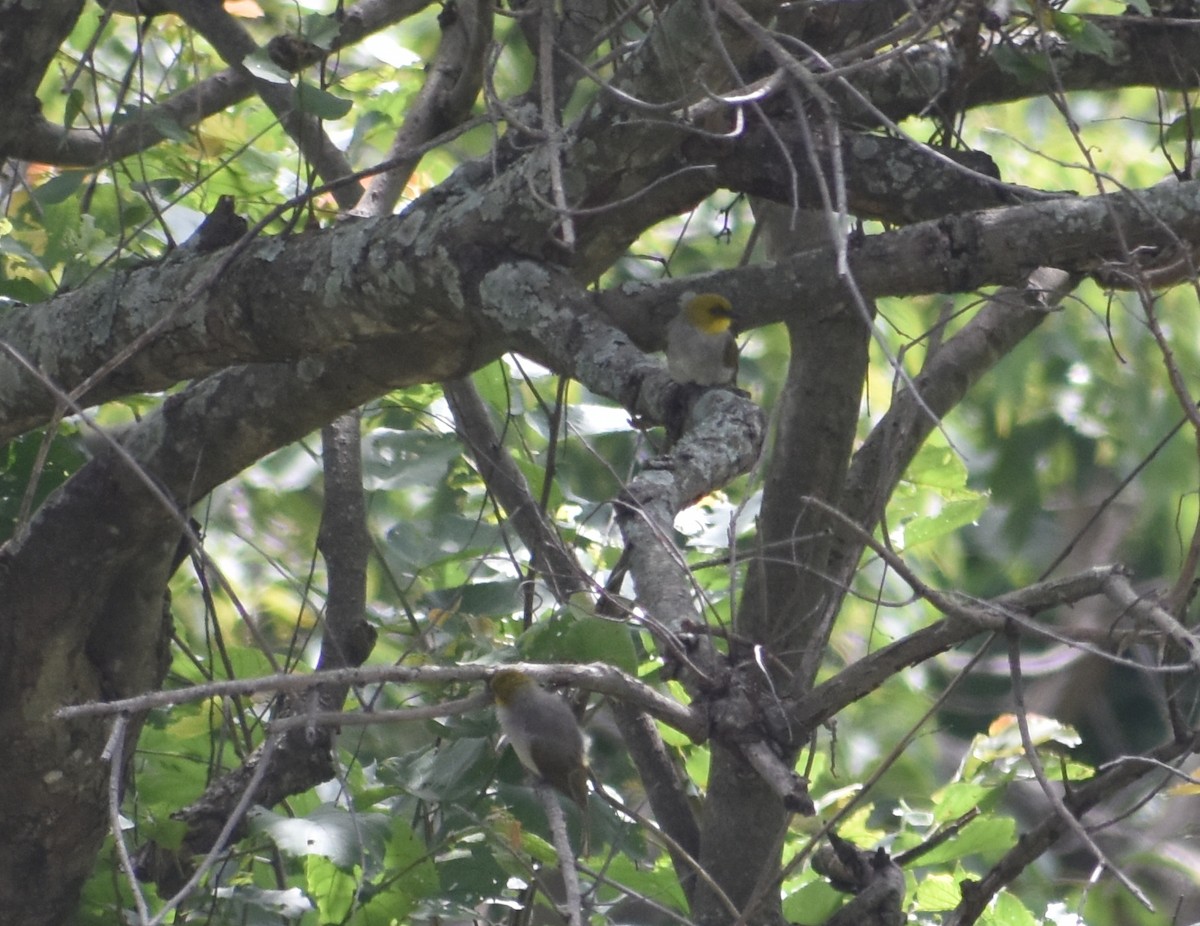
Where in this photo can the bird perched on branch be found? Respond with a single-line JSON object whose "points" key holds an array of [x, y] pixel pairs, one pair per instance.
{"points": [[543, 732], [700, 344]]}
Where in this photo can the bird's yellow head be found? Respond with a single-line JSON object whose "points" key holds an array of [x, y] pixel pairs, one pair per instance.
{"points": [[709, 312], [507, 684]]}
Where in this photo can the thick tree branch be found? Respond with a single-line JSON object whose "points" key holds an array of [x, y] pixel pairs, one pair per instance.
{"points": [[788, 598], [955, 254], [366, 280], [896, 180], [1146, 52], [30, 37]]}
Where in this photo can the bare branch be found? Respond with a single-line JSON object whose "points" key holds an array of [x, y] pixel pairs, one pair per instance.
{"points": [[598, 677], [1064, 814]]}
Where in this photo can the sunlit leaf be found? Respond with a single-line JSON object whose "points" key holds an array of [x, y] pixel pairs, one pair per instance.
{"points": [[332, 832], [1007, 910], [936, 892], [333, 889]]}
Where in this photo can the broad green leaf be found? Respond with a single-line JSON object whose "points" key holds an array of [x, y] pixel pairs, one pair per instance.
{"points": [[581, 639], [657, 882], [1084, 35], [958, 798], [1006, 909], [813, 903], [57, 189], [321, 30], [406, 876], [937, 892], [321, 103], [987, 836], [395, 459], [1184, 126], [470, 872], [19, 464], [259, 64], [332, 888], [456, 769]]}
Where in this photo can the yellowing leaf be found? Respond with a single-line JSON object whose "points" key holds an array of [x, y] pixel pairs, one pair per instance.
{"points": [[247, 9]]}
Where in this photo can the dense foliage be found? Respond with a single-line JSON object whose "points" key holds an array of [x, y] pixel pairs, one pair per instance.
{"points": [[945, 574]]}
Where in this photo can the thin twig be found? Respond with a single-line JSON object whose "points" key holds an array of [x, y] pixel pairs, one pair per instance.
{"points": [[231, 824], [114, 753], [1039, 772], [562, 846]]}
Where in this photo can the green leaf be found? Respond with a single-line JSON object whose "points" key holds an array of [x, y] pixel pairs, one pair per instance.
{"points": [[19, 463], [1084, 35], [259, 64], [246, 662], [958, 798], [321, 103], [988, 837], [937, 466], [658, 882], [168, 127], [408, 861], [333, 889], [594, 639], [1007, 910], [457, 769], [413, 545], [165, 832], [398, 458], [952, 515], [498, 598], [320, 29], [406, 875], [57, 189], [1029, 67], [470, 873], [812, 904], [1185, 126], [937, 892], [74, 106], [932, 500]]}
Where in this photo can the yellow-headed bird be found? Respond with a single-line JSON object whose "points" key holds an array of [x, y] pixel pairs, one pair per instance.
{"points": [[700, 344], [543, 732]]}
